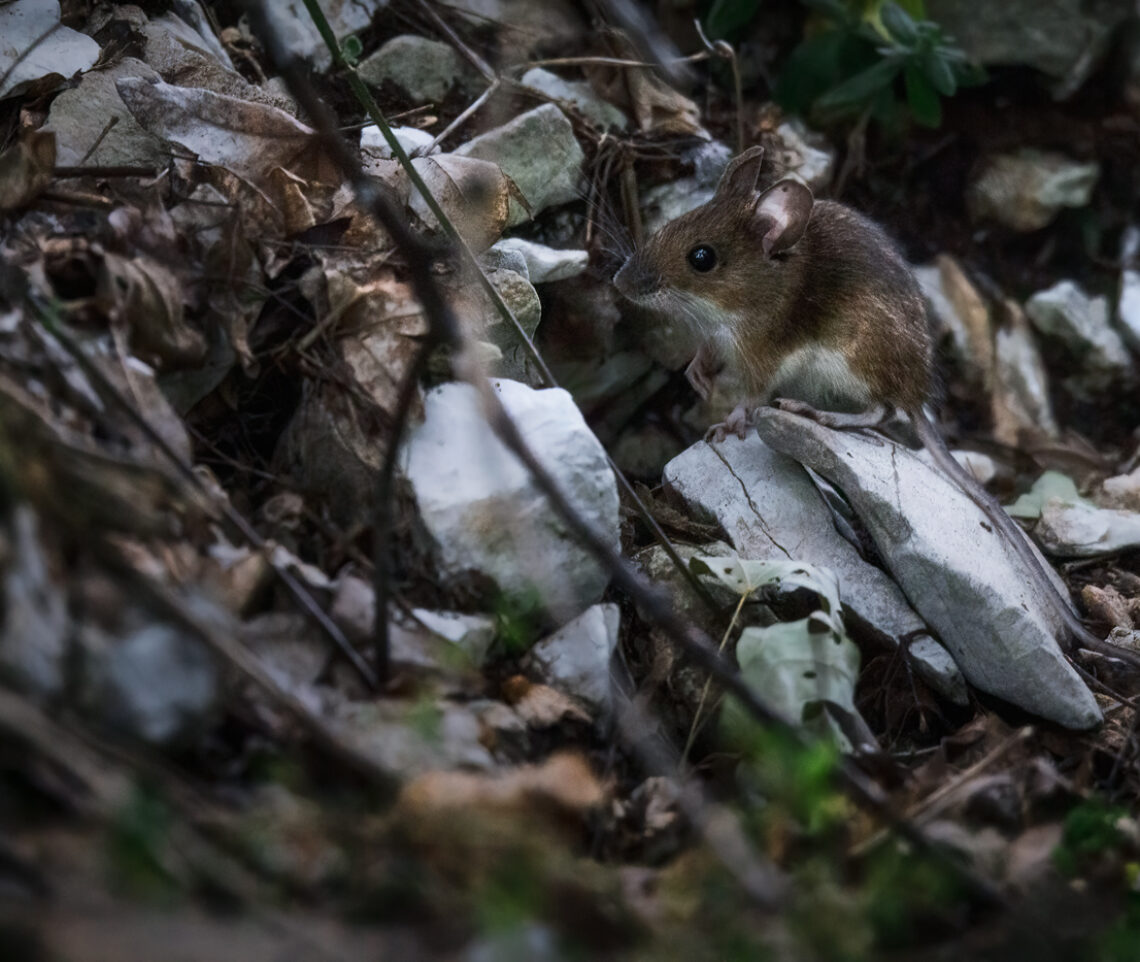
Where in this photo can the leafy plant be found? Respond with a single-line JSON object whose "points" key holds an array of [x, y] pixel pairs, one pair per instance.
{"points": [[877, 59]]}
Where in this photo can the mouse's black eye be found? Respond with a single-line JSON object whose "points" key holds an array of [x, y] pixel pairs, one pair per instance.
{"points": [[702, 258]]}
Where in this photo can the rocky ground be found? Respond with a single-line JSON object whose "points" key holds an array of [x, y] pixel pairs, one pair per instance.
{"points": [[292, 333]]}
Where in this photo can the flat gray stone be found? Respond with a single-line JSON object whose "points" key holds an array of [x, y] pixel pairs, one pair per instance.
{"points": [[78, 117], [965, 581], [539, 152], [424, 69]]}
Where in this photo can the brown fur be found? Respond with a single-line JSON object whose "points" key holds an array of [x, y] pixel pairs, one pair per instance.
{"points": [[843, 285]]}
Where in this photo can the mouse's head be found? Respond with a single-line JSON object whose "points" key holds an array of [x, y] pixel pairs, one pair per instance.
{"points": [[715, 260]]}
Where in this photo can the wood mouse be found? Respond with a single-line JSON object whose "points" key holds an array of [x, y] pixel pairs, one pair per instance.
{"points": [[814, 308]]}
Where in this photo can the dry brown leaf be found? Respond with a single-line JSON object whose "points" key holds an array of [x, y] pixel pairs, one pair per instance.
{"points": [[147, 297], [658, 108], [474, 194], [564, 782], [541, 706], [26, 169]]}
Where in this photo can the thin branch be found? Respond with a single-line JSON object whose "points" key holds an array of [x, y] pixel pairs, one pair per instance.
{"points": [[94, 170]]}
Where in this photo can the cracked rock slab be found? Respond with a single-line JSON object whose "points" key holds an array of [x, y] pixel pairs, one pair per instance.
{"points": [[769, 507], [962, 578]]}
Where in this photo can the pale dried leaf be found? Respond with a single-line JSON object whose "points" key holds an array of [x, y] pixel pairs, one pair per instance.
{"points": [[249, 139]]}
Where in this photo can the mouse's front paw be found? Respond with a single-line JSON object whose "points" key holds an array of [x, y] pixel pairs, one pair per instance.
{"points": [[736, 423]]}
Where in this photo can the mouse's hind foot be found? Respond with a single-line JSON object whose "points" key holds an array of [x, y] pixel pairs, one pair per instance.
{"points": [[838, 420]]}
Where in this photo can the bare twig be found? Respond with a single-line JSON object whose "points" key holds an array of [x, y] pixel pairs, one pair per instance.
{"points": [[466, 115], [98, 140], [723, 49], [94, 170]]}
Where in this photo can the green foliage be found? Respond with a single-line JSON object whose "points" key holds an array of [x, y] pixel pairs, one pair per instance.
{"points": [[519, 620], [904, 891], [351, 49], [1090, 831], [727, 17], [794, 781], [136, 843], [883, 59], [1119, 943]]}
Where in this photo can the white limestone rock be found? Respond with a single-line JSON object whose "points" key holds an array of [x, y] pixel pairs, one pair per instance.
{"points": [[483, 511], [576, 658], [1081, 324]]}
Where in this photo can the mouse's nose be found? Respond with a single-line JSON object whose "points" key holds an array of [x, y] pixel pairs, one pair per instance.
{"points": [[634, 280]]}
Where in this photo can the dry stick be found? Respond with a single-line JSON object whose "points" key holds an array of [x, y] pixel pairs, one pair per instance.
{"points": [[459, 121], [110, 391], [652, 602], [936, 801], [95, 170], [723, 49]]}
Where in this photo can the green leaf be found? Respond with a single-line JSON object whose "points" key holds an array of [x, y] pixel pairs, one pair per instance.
{"points": [[916, 8], [726, 17], [810, 70], [970, 74], [899, 24], [922, 98], [1051, 484], [938, 71], [860, 89], [351, 49], [829, 8]]}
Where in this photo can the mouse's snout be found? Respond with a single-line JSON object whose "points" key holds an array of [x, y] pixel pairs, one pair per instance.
{"points": [[635, 280]]}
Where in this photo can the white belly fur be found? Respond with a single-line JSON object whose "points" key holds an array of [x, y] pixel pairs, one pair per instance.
{"points": [[820, 377]]}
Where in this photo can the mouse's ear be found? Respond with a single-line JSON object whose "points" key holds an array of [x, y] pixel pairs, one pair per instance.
{"points": [[781, 215], [742, 172]]}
